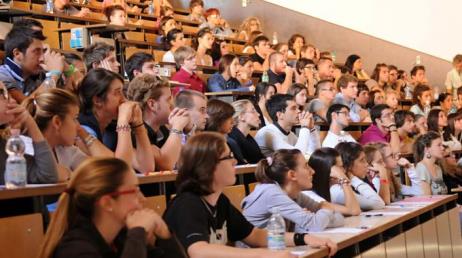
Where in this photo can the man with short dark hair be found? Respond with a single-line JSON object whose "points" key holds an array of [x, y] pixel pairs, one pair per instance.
{"points": [[418, 75], [362, 97], [285, 114], [325, 94], [405, 123], [26, 62], [325, 68], [101, 55], [338, 118], [196, 103], [140, 63], [279, 74], [348, 90], [260, 58], [382, 129], [28, 23]]}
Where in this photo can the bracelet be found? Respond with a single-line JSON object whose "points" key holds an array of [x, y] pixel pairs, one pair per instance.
{"points": [[299, 239], [69, 71], [176, 131], [343, 181], [55, 72], [123, 128], [136, 126], [312, 130], [384, 181]]}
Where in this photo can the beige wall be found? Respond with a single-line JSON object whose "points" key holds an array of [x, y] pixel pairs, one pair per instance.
{"points": [[329, 37]]}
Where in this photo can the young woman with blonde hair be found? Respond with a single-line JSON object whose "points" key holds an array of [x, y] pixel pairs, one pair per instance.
{"points": [[248, 26]]}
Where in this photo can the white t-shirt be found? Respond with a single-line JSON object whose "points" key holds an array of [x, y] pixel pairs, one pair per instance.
{"points": [[168, 57], [332, 139]]}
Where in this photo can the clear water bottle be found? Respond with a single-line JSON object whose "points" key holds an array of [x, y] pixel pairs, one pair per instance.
{"points": [[50, 6], [265, 77], [275, 38], [15, 167], [407, 92], [276, 230], [418, 61], [151, 8], [334, 56], [49, 82]]}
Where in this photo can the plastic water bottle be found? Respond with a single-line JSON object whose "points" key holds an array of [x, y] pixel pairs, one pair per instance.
{"points": [[151, 8], [407, 92], [49, 82], [15, 167], [275, 38], [276, 230], [265, 77], [418, 61], [334, 56], [50, 6]]}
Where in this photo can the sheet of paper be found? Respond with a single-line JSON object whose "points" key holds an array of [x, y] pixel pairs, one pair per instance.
{"points": [[384, 213], [344, 230]]}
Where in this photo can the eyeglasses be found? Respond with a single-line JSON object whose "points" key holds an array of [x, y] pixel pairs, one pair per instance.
{"points": [[124, 192], [230, 156], [310, 68], [328, 89], [394, 156]]}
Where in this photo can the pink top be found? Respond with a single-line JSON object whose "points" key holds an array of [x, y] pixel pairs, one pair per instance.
{"points": [[373, 134]]}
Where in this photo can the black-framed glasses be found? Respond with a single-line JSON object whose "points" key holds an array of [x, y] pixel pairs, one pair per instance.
{"points": [[230, 156], [346, 113]]}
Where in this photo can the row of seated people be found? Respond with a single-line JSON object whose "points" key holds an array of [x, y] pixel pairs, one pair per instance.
{"points": [[103, 198]]}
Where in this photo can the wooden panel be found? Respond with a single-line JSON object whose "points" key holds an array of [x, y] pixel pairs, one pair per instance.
{"points": [[444, 235], [395, 247], [21, 5], [133, 35], [235, 194], [189, 29], [378, 251], [50, 31], [129, 51], [414, 243], [151, 37], [252, 187], [21, 236], [66, 37], [456, 239], [38, 7], [430, 239], [96, 16], [158, 54], [157, 203]]}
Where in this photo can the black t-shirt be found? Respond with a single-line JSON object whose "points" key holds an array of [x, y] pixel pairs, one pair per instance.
{"points": [[256, 58], [274, 78], [244, 148], [193, 220]]}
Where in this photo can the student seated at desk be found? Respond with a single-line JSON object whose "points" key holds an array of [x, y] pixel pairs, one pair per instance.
{"points": [[218, 25], [101, 214], [202, 43], [106, 115], [64, 7], [329, 171], [452, 133], [185, 58], [55, 112], [225, 79], [167, 23], [452, 173], [337, 118], [356, 167], [300, 93], [41, 166], [196, 11], [282, 177], [139, 64], [244, 75], [174, 40], [75, 72], [428, 149], [203, 218], [220, 117], [422, 99], [263, 92], [241, 143], [249, 25], [101, 55]]}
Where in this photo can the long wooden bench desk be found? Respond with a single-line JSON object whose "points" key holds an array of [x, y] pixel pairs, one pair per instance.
{"points": [[416, 227]]}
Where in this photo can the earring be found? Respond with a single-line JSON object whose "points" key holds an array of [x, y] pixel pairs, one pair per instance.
{"points": [[428, 156]]}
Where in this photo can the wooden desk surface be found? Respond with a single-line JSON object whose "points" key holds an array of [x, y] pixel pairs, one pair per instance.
{"points": [[374, 225], [32, 190]]}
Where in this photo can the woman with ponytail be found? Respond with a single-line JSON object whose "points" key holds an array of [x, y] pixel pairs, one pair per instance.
{"points": [[41, 167], [282, 177], [203, 218], [56, 111], [101, 214]]}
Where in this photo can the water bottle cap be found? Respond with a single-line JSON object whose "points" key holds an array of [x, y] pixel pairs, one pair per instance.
{"points": [[48, 74]]}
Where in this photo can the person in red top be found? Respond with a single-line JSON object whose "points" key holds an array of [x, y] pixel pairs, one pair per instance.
{"points": [[185, 58]]}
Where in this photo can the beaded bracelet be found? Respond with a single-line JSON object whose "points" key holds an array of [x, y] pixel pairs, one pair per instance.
{"points": [[138, 125], [175, 131], [123, 128]]}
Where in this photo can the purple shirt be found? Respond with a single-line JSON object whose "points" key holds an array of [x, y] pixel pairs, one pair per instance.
{"points": [[373, 134]]}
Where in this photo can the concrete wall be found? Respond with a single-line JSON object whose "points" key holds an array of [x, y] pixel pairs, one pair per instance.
{"points": [[329, 37]]}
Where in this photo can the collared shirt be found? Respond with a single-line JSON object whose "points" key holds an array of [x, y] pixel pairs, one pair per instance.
{"points": [[217, 83], [354, 107], [192, 79], [373, 134], [11, 75], [275, 78], [453, 80]]}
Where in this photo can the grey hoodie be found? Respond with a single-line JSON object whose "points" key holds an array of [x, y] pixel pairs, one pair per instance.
{"points": [[305, 213]]}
